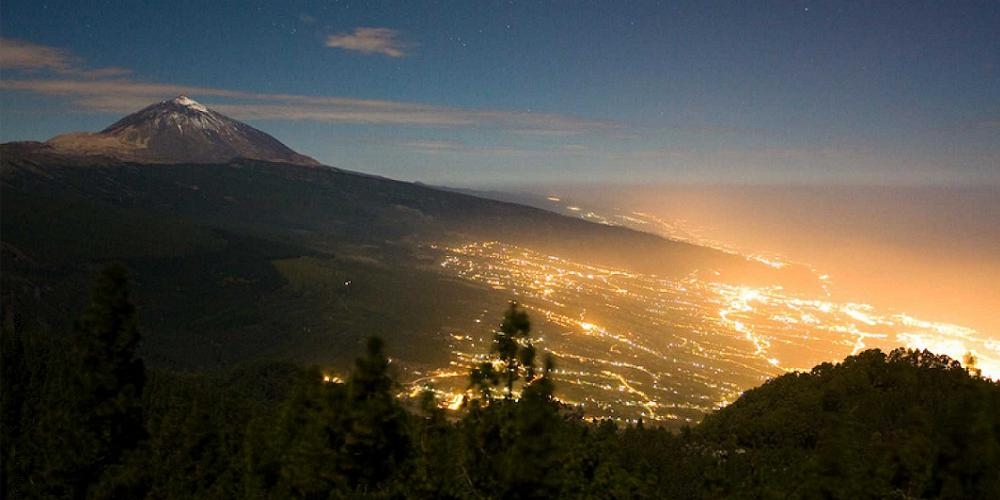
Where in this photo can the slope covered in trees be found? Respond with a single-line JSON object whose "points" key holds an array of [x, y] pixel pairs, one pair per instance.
{"points": [[83, 418], [221, 250]]}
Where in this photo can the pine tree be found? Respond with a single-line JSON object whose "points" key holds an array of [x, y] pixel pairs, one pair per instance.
{"points": [[532, 464], [512, 344], [483, 378], [111, 374], [375, 441], [301, 456], [16, 375], [91, 413]]}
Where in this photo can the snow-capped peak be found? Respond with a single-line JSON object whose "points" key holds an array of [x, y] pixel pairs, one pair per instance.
{"points": [[187, 102], [181, 130]]}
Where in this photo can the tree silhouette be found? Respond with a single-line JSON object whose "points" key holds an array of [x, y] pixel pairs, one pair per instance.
{"points": [[512, 344], [532, 458], [483, 378], [375, 440], [110, 372], [93, 403], [971, 364], [22, 373]]}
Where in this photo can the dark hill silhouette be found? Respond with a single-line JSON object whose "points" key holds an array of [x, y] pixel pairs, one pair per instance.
{"points": [[908, 424]]}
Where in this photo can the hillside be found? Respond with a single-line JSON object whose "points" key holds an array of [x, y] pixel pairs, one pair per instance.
{"points": [[215, 248]]}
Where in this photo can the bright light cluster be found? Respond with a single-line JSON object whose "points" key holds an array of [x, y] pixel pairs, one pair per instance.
{"points": [[630, 345]]}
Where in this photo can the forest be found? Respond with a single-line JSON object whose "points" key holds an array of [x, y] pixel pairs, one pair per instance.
{"points": [[83, 417]]}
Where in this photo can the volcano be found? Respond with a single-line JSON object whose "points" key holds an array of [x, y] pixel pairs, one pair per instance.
{"points": [[179, 130]]}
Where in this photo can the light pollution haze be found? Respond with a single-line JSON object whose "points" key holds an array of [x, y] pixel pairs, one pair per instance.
{"points": [[896, 105], [930, 251]]}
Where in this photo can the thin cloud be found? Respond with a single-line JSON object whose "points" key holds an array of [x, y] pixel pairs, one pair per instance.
{"points": [[18, 54], [435, 146], [109, 72], [105, 90], [442, 147], [124, 95], [26, 56], [383, 41], [991, 122]]}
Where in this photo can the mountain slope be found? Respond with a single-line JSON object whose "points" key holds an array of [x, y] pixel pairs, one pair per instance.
{"points": [[244, 258], [318, 206], [179, 130]]}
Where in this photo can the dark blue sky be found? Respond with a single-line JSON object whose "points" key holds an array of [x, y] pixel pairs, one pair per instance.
{"points": [[472, 93]]}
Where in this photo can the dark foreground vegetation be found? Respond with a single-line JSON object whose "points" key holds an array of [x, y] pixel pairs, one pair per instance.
{"points": [[84, 418]]}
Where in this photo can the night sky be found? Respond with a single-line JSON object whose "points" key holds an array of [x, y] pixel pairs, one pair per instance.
{"points": [[494, 93]]}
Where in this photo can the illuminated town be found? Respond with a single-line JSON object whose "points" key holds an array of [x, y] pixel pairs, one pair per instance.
{"points": [[632, 346]]}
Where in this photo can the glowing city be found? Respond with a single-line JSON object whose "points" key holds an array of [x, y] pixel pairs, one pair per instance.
{"points": [[632, 346]]}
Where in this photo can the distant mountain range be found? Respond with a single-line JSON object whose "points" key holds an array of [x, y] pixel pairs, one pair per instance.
{"points": [[244, 249]]}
